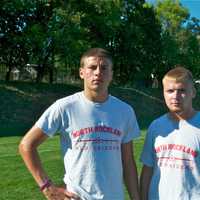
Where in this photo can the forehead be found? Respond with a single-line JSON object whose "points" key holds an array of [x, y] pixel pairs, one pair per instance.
{"points": [[170, 83], [94, 60]]}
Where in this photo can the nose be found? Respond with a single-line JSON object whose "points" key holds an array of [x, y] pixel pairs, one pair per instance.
{"points": [[176, 94], [98, 70]]}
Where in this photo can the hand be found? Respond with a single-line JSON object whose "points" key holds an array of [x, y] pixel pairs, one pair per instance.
{"points": [[58, 193], [54, 193], [70, 196]]}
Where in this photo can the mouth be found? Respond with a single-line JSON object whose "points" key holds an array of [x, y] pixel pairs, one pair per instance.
{"points": [[176, 104], [97, 81]]}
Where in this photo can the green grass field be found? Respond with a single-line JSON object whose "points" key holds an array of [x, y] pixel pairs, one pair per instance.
{"points": [[16, 182], [22, 103]]}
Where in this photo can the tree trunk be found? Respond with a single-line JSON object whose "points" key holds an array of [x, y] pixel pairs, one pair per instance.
{"points": [[51, 74], [8, 73], [40, 73], [51, 66]]}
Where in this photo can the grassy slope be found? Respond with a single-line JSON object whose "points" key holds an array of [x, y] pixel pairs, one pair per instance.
{"points": [[22, 103]]}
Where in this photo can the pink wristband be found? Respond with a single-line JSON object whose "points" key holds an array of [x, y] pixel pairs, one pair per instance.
{"points": [[46, 184]]}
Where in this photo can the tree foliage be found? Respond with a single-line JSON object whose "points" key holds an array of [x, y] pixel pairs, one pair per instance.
{"points": [[180, 33], [52, 35]]}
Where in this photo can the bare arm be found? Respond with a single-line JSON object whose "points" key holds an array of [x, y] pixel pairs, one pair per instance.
{"points": [[28, 150], [145, 180], [130, 171]]}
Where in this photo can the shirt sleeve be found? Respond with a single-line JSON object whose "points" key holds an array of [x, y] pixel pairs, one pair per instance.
{"points": [[133, 130], [147, 155], [50, 121]]}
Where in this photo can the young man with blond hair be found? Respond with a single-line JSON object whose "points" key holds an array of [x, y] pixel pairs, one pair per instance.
{"points": [[96, 132], [171, 156]]}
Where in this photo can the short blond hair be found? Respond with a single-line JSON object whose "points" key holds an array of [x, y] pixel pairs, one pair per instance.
{"points": [[179, 74], [96, 52]]}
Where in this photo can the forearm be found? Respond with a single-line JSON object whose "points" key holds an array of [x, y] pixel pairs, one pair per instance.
{"points": [[33, 163], [131, 180], [28, 150], [130, 171], [145, 180], [144, 188]]}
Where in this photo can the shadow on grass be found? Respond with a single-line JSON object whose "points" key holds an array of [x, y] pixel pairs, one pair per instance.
{"points": [[22, 103]]}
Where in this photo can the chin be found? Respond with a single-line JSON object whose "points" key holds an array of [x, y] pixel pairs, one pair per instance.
{"points": [[176, 110]]}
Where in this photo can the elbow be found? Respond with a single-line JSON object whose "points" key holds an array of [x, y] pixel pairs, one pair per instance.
{"points": [[21, 148], [24, 147]]}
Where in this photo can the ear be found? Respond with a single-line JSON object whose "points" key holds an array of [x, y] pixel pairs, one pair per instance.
{"points": [[81, 73], [111, 76], [194, 92]]}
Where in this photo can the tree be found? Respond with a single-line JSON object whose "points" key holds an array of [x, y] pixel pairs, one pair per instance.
{"points": [[137, 44], [171, 14], [26, 36], [13, 18], [179, 36], [143, 40], [40, 41]]}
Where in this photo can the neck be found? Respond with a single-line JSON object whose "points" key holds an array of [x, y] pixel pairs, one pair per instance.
{"points": [[96, 96], [177, 116]]}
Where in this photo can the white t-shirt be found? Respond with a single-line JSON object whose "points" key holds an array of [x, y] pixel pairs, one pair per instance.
{"points": [[91, 138], [173, 150]]}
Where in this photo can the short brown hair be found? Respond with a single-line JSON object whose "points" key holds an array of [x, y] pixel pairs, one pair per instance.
{"points": [[96, 52], [179, 74]]}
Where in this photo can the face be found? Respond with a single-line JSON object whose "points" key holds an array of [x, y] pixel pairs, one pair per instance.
{"points": [[178, 96], [96, 73]]}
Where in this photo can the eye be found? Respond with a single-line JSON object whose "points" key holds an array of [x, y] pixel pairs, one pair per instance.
{"points": [[182, 90], [104, 67], [170, 91], [93, 67]]}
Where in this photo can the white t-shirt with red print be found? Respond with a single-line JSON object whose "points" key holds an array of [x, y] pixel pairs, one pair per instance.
{"points": [[91, 138], [172, 148]]}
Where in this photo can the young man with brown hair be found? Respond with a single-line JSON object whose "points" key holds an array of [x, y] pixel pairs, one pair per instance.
{"points": [[96, 132], [171, 156]]}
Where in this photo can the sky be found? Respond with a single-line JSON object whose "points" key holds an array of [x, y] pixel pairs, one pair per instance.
{"points": [[192, 5]]}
